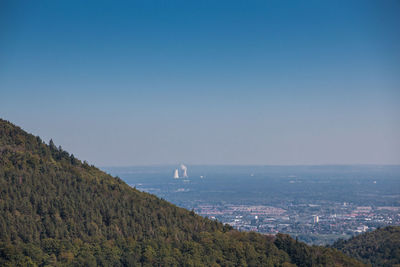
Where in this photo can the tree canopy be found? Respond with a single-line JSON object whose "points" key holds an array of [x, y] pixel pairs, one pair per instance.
{"points": [[379, 248], [56, 210]]}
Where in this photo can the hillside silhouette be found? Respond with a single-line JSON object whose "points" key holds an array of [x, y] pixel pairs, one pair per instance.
{"points": [[56, 210]]}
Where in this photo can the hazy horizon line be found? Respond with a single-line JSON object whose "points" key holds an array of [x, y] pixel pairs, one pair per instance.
{"points": [[253, 165]]}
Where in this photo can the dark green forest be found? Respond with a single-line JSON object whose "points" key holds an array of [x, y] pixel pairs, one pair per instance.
{"points": [[56, 210], [379, 248]]}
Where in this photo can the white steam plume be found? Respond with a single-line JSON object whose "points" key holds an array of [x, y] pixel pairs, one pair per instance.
{"points": [[184, 171]]}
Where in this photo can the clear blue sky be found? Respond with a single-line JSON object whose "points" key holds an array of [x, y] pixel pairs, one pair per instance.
{"points": [[206, 82]]}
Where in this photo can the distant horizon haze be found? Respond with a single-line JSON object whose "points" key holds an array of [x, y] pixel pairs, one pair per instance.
{"points": [[206, 82], [254, 165], [189, 164]]}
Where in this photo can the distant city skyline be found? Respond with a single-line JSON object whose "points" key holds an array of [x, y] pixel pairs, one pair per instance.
{"points": [[226, 82]]}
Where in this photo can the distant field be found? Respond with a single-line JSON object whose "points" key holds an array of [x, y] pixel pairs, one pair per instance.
{"points": [[363, 185]]}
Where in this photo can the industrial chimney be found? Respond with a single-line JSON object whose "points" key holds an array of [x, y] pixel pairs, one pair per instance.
{"points": [[176, 174]]}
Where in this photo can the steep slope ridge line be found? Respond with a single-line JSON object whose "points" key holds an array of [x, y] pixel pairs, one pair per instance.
{"points": [[58, 211]]}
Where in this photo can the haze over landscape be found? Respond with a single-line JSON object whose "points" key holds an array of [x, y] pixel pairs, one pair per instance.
{"points": [[266, 82], [200, 133]]}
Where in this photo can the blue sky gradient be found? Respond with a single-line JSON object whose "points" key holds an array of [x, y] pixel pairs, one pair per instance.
{"points": [[206, 82]]}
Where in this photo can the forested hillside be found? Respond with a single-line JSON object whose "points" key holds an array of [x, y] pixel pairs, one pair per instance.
{"points": [[58, 211], [379, 248]]}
